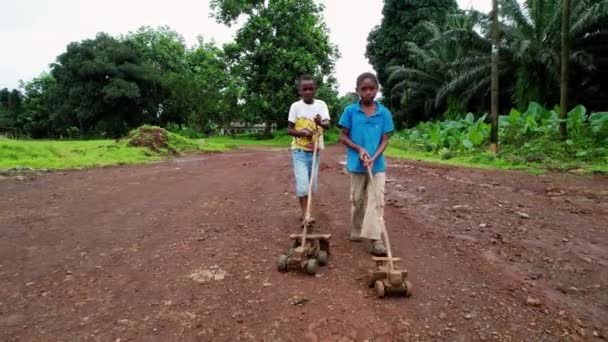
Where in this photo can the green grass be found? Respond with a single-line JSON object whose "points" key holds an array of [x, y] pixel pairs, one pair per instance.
{"points": [[482, 161], [487, 161], [76, 154], [47, 154]]}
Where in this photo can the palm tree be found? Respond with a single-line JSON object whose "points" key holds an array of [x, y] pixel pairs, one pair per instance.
{"points": [[529, 61], [414, 90]]}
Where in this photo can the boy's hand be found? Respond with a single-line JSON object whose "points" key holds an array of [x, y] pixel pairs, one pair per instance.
{"points": [[369, 162], [318, 120], [306, 133], [363, 155]]}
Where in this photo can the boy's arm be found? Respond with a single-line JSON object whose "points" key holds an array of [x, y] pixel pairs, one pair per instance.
{"points": [[323, 123], [322, 119], [345, 124], [291, 126], [291, 130], [345, 139], [381, 148], [387, 128]]}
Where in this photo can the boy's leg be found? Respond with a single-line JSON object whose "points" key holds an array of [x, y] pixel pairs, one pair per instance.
{"points": [[315, 185], [358, 199], [301, 172], [373, 222], [315, 181]]}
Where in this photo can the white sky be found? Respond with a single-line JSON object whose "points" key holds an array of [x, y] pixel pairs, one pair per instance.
{"points": [[34, 32]]}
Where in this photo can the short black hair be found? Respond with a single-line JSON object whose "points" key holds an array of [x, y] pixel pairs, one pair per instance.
{"points": [[302, 78], [365, 76]]}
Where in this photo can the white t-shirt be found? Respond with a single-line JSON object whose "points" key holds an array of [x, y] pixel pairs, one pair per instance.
{"points": [[302, 115]]}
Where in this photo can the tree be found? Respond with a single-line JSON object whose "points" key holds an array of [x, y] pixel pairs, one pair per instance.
{"points": [[386, 43], [412, 91], [347, 99], [198, 92], [36, 120], [164, 52], [279, 40], [529, 51], [565, 62], [495, 79], [10, 107], [103, 86]]}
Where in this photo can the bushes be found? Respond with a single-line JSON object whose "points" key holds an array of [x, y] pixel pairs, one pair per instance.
{"points": [[530, 137]]}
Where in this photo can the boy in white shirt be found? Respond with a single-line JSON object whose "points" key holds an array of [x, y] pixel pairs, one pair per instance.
{"points": [[306, 116]]}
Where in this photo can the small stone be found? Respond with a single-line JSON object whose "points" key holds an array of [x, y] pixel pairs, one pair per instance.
{"points": [[483, 225], [565, 240], [468, 316], [523, 215], [267, 284], [442, 315], [532, 301]]}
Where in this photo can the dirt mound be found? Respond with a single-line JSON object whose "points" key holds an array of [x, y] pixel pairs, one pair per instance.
{"points": [[152, 137]]}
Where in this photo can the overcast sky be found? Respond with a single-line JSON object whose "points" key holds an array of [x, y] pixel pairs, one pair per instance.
{"points": [[34, 32]]}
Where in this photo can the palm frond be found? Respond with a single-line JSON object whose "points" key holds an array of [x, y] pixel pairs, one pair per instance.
{"points": [[396, 75], [583, 59], [463, 81], [425, 29], [421, 86], [415, 50], [471, 92], [462, 38], [415, 74], [512, 10], [580, 6], [592, 17], [471, 61], [552, 28]]}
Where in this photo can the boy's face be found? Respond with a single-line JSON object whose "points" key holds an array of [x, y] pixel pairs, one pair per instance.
{"points": [[367, 91], [307, 91]]}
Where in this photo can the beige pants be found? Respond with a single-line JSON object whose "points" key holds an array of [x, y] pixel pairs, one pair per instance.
{"points": [[367, 211]]}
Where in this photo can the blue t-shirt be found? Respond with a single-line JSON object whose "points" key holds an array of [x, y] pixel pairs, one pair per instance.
{"points": [[366, 132]]}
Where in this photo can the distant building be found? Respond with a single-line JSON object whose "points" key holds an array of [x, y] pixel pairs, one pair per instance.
{"points": [[243, 127]]}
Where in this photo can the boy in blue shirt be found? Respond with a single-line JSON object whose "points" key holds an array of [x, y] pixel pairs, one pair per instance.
{"points": [[366, 126]]}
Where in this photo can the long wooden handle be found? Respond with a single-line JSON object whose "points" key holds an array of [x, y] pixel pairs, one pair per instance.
{"points": [[313, 176], [389, 253]]}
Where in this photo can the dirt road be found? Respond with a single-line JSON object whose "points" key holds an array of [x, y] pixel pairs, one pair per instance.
{"points": [[184, 250]]}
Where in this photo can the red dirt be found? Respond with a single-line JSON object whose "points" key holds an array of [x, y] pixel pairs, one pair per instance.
{"points": [[121, 254]]}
